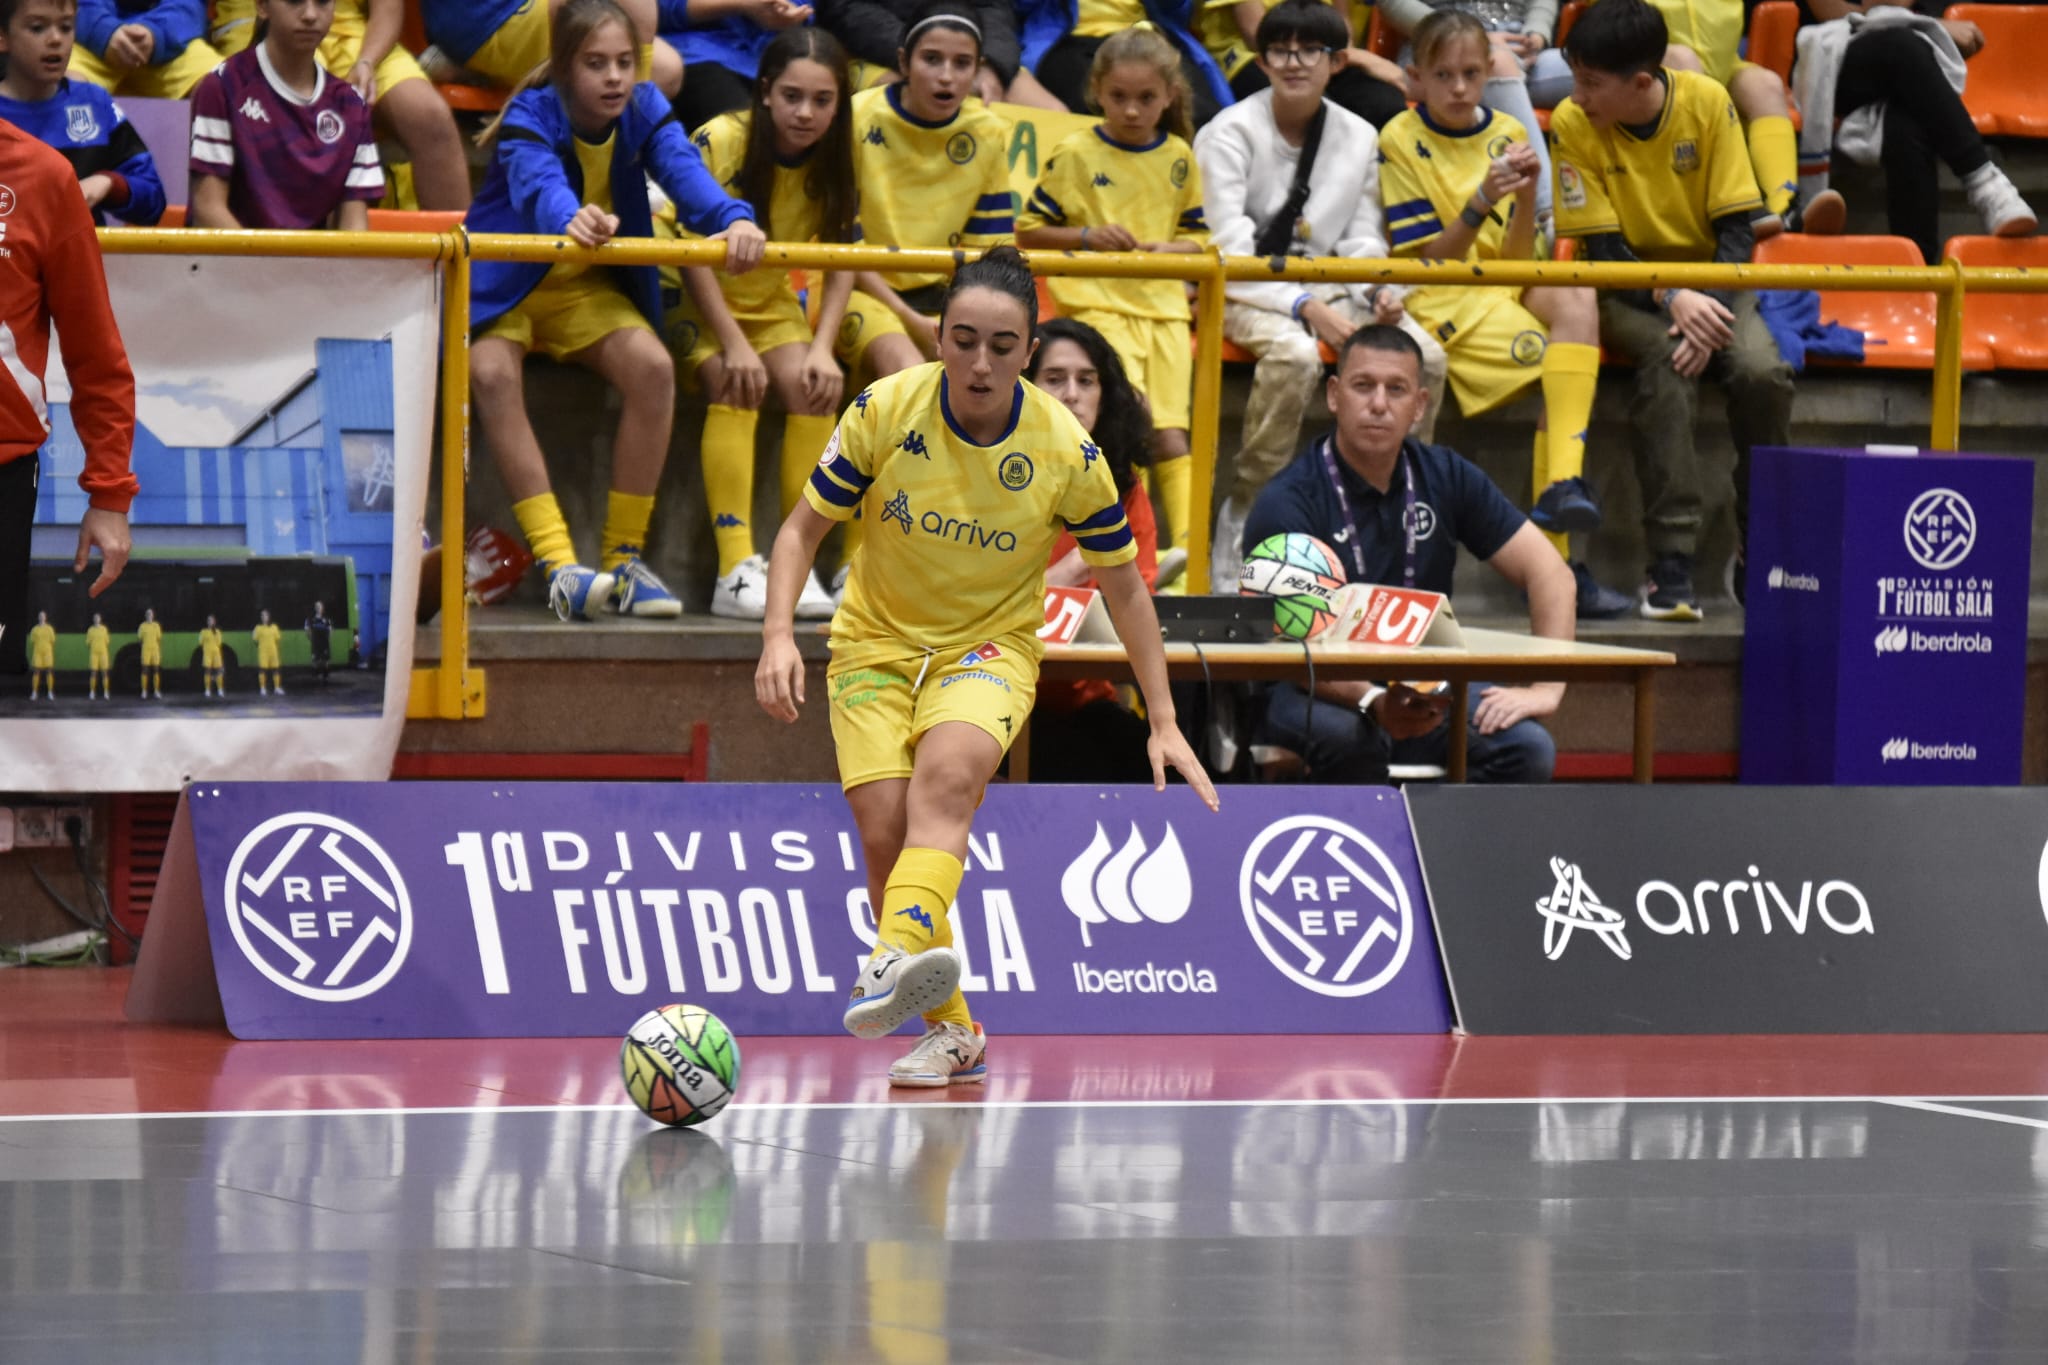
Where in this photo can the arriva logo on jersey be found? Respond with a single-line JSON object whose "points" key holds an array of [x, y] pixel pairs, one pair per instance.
{"points": [[253, 111], [897, 509], [80, 123]]}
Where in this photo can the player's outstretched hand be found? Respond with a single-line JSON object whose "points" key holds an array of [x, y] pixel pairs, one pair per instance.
{"points": [[779, 679], [591, 226], [743, 244], [108, 531], [1168, 748]]}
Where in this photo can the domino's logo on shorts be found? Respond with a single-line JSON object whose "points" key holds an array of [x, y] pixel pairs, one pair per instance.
{"points": [[980, 654]]}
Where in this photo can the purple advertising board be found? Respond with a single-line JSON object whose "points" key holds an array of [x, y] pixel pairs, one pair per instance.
{"points": [[396, 910], [1887, 618]]}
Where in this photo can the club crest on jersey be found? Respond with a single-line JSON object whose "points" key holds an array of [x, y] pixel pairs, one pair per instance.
{"points": [[1015, 471], [981, 654], [960, 148], [1527, 348], [1497, 148], [328, 126], [81, 124], [1685, 157], [1179, 175], [897, 509]]}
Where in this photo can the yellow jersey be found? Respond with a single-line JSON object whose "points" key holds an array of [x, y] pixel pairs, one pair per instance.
{"points": [[794, 212], [958, 532], [266, 645], [930, 184], [42, 647], [1155, 191], [1428, 174], [1216, 26], [1100, 18], [97, 639], [594, 159], [1662, 193], [1711, 28], [151, 636], [209, 648]]}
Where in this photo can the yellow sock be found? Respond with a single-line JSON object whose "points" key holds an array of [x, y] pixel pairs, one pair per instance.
{"points": [[1571, 373], [728, 447], [920, 888], [1774, 153], [1174, 477], [1539, 479], [643, 65], [803, 443], [547, 535], [954, 1011], [626, 516]]}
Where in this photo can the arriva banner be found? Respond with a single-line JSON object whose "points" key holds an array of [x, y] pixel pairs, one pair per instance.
{"points": [[264, 625], [346, 910]]}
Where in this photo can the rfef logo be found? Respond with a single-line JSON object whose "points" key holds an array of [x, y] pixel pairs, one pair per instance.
{"points": [[318, 907], [1941, 529], [1326, 905]]}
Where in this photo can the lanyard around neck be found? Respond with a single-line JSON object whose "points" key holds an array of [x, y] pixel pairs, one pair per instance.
{"points": [[1328, 448]]}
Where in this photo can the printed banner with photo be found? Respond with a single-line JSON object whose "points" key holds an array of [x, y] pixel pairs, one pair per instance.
{"points": [[264, 625], [464, 910]]}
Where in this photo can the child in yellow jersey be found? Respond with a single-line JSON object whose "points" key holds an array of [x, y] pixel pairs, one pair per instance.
{"points": [[362, 48], [99, 662], [1459, 183], [1131, 184], [969, 473], [212, 659], [504, 41], [42, 657], [791, 157], [1706, 36], [269, 664], [150, 635], [572, 156], [148, 51]]}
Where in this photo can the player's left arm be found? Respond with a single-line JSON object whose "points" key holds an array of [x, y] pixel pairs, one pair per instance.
{"points": [[1137, 625], [380, 33], [1532, 564]]}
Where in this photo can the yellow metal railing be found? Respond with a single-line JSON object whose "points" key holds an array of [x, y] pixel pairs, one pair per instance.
{"points": [[452, 690]]}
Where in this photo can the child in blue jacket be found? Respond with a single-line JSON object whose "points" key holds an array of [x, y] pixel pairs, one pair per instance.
{"points": [[572, 157], [115, 171]]}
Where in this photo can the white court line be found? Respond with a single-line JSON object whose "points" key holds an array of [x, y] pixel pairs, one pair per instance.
{"points": [[791, 1106], [1932, 1107]]}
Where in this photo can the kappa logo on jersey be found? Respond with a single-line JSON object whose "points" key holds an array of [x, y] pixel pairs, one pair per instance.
{"points": [[81, 124], [1102, 181], [253, 111], [328, 126], [897, 509], [861, 400], [874, 136], [1090, 453], [1422, 151], [913, 444], [980, 654]]}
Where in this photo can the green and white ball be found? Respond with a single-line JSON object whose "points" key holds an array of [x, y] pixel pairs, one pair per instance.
{"points": [[1303, 577], [680, 1064]]}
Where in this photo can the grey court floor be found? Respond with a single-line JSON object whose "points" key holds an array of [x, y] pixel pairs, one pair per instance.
{"points": [[1584, 1231]]}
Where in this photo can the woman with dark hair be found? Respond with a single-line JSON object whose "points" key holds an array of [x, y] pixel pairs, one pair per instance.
{"points": [[1080, 732], [935, 652]]}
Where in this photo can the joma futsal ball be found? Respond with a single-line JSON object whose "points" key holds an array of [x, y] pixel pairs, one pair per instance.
{"points": [[680, 1064], [1301, 575]]}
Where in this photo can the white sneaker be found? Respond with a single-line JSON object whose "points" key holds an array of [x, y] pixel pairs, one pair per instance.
{"points": [[814, 603], [948, 1054], [743, 593], [280, 689], [896, 986], [2004, 212]]}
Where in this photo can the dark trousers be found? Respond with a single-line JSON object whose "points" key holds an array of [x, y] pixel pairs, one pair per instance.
{"points": [[710, 90], [1063, 70], [1923, 120], [19, 479], [1340, 744], [1368, 97], [1664, 407]]}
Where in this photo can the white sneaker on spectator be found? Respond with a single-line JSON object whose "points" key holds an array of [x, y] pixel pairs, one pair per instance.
{"points": [[814, 603], [948, 1054], [1996, 200], [743, 593]]}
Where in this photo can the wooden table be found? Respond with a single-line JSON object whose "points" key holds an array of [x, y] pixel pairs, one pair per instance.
{"points": [[1497, 656]]}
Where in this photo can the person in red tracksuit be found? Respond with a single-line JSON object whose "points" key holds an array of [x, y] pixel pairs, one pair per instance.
{"points": [[50, 271]]}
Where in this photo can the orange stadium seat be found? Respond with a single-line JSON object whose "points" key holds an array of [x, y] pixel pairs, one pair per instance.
{"points": [[1898, 329], [463, 99], [2005, 93], [381, 220], [2013, 327], [1774, 37]]}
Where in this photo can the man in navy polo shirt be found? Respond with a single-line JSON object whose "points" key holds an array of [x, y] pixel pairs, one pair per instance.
{"points": [[1360, 490]]}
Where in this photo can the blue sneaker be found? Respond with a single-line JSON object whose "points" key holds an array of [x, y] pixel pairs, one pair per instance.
{"points": [[575, 591], [1567, 506], [637, 592], [1597, 601], [895, 986]]}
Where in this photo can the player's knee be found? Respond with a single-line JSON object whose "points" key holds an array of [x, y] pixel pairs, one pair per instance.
{"points": [[1758, 93], [1293, 358], [1505, 67], [1681, 58], [646, 372], [497, 375]]}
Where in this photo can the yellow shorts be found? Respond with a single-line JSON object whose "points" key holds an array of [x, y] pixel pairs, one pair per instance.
{"points": [[564, 316], [234, 25], [519, 45], [780, 323], [1494, 345], [1156, 356], [879, 712], [152, 658], [171, 81], [98, 663], [867, 318]]}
